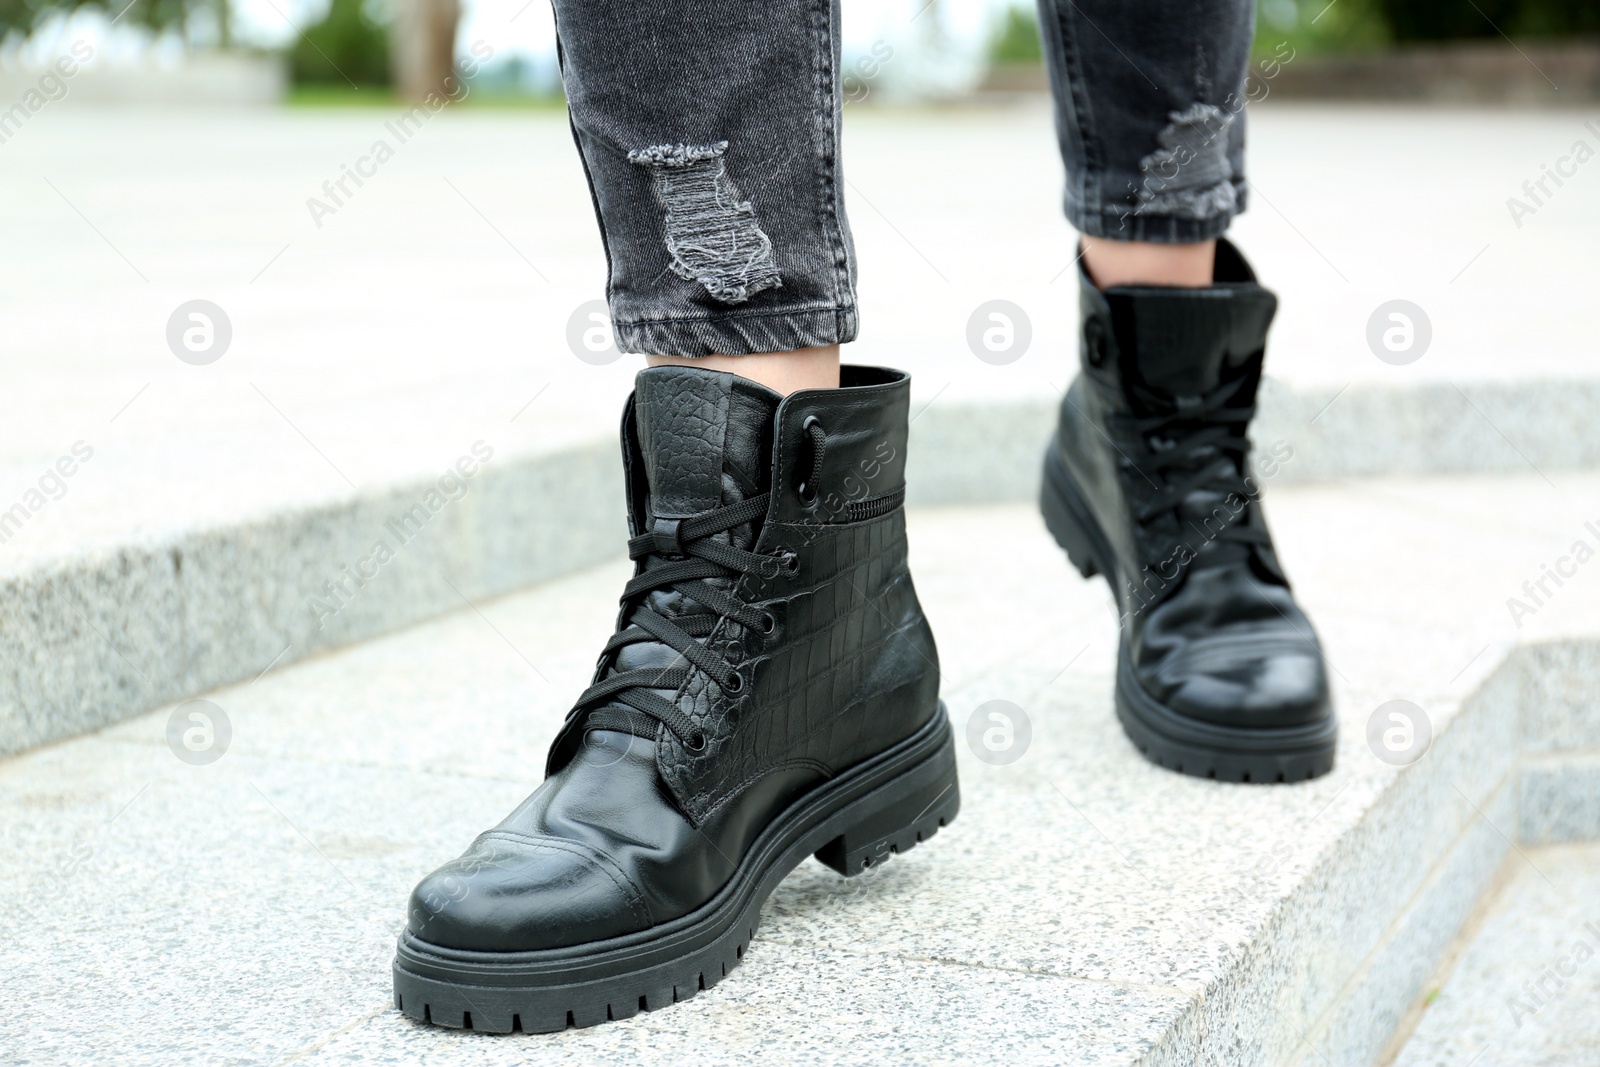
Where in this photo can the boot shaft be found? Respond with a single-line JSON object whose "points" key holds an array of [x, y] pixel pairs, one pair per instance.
{"points": [[693, 440], [1145, 347], [848, 666], [1167, 389]]}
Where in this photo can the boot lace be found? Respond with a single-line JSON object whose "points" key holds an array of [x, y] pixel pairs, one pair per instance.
{"points": [[1198, 444], [680, 555]]}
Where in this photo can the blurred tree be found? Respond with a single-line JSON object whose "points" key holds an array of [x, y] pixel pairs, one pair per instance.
{"points": [[348, 46], [1431, 20], [425, 48], [1317, 26], [1312, 26], [25, 16], [1018, 38]]}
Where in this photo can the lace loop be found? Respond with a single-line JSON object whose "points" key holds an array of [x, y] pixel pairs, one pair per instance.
{"points": [[1197, 444], [819, 448], [668, 536], [679, 554]]}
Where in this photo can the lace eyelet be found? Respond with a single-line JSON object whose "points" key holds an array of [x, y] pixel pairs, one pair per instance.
{"points": [[734, 684], [696, 743], [1094, 338], [812, 427], [769, 623], [791, 562]]}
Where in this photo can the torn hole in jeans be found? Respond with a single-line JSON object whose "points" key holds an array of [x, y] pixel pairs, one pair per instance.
{"points": [[712, 232], [1189, 176]]}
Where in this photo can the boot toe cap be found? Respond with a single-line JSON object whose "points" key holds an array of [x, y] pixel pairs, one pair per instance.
{"points": [[520, 893], [1254, 682], [1233, 650]]}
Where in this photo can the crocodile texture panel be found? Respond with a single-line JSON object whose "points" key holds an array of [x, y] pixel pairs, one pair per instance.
{"points": [[850, 670]]}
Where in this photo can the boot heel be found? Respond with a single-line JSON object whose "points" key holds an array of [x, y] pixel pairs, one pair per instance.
{"points": [[908, 811], [1063, 515]]}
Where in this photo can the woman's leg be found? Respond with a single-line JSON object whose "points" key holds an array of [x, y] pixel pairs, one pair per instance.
{"points": [[710, 134], [782, 372], [1150, 117], [1113, 263], [772, 687], [1151, 480]]}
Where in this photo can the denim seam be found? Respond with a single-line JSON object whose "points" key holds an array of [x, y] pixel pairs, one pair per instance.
{"points": [[1155, 229], [829, 102], [782, 313], [583, 158], [774, 331], [1085, 188]]}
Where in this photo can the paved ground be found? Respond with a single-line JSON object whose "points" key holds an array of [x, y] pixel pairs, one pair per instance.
{"points": [[1525, 989], [244, 911], [430, 311]]}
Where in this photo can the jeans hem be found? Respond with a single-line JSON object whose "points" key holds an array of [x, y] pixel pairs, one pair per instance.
{"points": [[738, 335], [1155, 229]]}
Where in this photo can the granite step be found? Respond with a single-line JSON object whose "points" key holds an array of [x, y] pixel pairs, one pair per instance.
{"points": [[1086, 907], [431, 319], [100, 626]]}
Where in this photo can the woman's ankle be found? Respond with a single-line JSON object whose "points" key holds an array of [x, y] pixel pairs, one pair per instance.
{"points": [[1114, 263], [782, 372]]}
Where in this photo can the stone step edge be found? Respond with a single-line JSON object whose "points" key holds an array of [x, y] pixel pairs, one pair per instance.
{"points": [[1343, 959], [969, 453], [93, 637]]}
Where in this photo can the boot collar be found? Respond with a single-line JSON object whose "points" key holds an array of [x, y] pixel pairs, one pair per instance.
{"points": [[1174, 342]]}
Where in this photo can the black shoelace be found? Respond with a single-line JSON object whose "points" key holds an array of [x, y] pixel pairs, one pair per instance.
{"points": [[681, 555], [1198, 444]]}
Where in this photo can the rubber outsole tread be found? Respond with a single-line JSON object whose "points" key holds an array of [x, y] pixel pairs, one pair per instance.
{"points": [[572, 1019], [892, 815]]}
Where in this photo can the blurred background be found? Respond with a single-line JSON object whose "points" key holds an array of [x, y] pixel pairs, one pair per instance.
{"points": [[312, 52], [254, 301]]}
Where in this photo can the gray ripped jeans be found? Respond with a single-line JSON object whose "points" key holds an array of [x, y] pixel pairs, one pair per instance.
{"points": [[710, 133]]}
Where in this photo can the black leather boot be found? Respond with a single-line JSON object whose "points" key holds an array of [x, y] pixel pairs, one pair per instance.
{"points": [[771, 692], [1219, 673]]}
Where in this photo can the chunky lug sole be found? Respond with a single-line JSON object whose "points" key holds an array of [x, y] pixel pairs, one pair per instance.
{"points": [[857, 820], [1167, 737]]}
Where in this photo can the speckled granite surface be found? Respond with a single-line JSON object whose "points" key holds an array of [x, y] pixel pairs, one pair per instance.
{"points": [[1525, 991], [1086, 907], [433, 311]]}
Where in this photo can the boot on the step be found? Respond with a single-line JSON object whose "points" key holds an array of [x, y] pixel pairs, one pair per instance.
{"points": [[1149, 482], [770, 693]]}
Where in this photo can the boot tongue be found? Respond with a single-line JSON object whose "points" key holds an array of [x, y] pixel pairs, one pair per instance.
{"points": [[705, 436], [1180, 344], [1185, 342], [706, 441]]}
